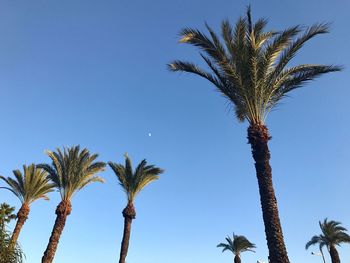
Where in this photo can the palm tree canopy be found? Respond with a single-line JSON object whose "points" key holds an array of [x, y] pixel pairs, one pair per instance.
{"points": [[6, 213], [30, 185], [72, 169], [237, 245], [248, 65], [132, 181], [332, 234]]}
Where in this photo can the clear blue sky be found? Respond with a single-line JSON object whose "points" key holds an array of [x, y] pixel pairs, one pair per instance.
{"points": [[93, 73]]}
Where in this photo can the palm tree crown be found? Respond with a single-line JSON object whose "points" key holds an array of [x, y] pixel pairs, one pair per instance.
{"points": [[249, 65], [6, 215], [237, 245], [72, 169], [29, 186], [131, 181], [333, 234]]}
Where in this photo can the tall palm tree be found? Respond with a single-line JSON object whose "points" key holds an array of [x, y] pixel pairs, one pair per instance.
{"points": [[29, 186], [237, 245], [132, 182], [6, 215], [70, 171], [333, 234], [249, 67]]}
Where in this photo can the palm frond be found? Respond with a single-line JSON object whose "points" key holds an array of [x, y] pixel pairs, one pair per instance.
{"points": [[296, 78], [297, 44], [196, 38], [314, 240], [225, 247]]}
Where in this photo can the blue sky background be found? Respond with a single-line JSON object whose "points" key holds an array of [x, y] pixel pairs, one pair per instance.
{"points": [[93, 73]]}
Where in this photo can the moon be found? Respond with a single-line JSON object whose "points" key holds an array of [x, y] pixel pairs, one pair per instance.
{"points": [[149, 134]]}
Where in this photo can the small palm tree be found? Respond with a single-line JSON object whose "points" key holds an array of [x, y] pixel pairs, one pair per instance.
{"points": [[237, 245], [333, 234], [248, 65], [7, 255], [132, 183], [29, 186], [71, 170], [6, 215]]}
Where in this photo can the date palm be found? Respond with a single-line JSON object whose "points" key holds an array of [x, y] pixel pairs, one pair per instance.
{"points": [[333, 234], [6, 215], [70, 171], [237, 245], [248, 65], [132, 182], [29, 186]]}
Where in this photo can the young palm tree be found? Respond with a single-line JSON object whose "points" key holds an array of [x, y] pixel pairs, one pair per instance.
{"points": [[30, 186], [132, 183], [70, 171], [249, 67], [6, 215], [237, 245], [333, 234], [7, 255]]}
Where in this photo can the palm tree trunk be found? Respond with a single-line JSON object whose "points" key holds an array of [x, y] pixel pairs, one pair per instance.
{"points": [[22, 216], [237, 259], [129, 214], [334, 254], [62, 211], [258, 137]]}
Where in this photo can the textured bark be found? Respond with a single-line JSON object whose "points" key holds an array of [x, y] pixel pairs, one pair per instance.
{"points": [[22, 216], [129, 214], [237, 259], [334, 254], [258, 137], [62, 211]]}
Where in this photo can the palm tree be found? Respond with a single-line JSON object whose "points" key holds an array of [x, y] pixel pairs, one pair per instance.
{"points": [[71, 170], [6, 215], [132, 183], [333, 234], [29, 186], [7, 255], [237, 245], [249, 67]]}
